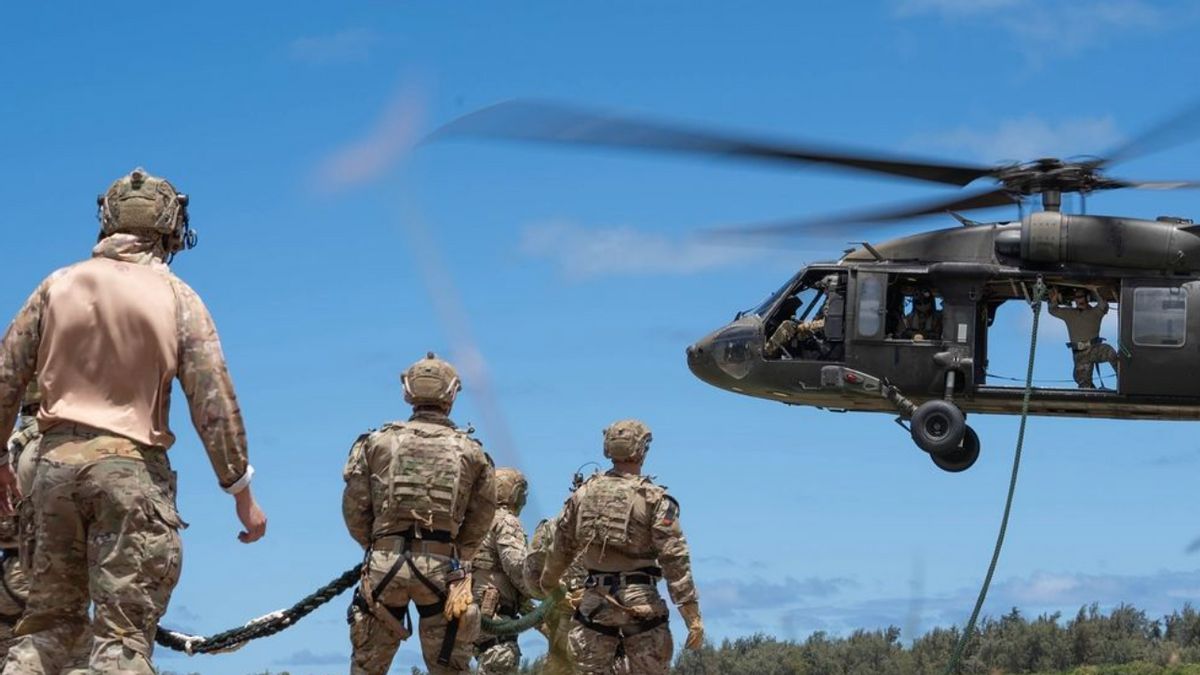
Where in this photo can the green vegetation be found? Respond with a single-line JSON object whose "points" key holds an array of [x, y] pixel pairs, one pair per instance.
{"points": [[1122, 642]]}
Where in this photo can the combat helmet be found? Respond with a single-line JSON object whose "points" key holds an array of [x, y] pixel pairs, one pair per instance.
{"points": [[511, 489], [431, 381], [140, 203], [627, 440]]}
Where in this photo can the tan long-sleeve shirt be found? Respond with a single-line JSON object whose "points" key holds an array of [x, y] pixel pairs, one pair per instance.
{"points": [[106, 337]]}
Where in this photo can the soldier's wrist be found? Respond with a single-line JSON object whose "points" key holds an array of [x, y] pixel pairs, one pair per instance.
{"points": [[241, 484]]}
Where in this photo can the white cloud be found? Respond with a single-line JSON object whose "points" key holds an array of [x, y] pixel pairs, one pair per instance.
{"points": [[588, 253], [352, 45], [391, 138], [1024, 138], [1045, 27]]}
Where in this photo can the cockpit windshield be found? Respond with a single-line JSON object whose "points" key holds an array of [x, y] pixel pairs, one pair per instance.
{"points": [[762, 308]]}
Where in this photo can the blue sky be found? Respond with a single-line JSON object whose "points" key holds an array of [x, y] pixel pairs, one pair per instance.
{"points": [[333, 253]]}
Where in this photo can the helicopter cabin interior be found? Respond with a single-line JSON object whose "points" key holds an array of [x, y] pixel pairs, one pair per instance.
{"points": [[870, 324]]}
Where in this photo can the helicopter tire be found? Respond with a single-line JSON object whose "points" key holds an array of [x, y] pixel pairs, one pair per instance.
{"points": [[962, 458], [938, 427]]}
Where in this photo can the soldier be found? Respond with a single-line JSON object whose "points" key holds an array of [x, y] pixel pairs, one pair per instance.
{"points": [[419, 498], [557, 624], [14, 586], [626, 531], [106, 337], [498, 574], [924, 322], [1083, 329], [791, 333]]}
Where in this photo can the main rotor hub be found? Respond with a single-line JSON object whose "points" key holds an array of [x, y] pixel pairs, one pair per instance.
{"points": [[1050, 174]]}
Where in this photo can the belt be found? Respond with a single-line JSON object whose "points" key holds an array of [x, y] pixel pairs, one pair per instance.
{"points": [[647, 576], [421, 540]]}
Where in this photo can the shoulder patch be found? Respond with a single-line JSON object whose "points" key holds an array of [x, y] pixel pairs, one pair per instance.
{"points": [[672, 513]]}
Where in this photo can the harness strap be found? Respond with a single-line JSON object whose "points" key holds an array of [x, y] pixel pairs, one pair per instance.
{"points": [[448, 640], [621, 632]]}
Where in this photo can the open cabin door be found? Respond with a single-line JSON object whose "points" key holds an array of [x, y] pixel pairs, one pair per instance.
{"points": [[1160, 338]]}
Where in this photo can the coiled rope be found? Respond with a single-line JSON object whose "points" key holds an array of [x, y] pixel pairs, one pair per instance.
{"points": [[1039, 290], [270, 624]]}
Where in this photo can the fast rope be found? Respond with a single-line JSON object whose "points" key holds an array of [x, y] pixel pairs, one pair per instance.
{"points": [[270, 624], [1039, 290]]}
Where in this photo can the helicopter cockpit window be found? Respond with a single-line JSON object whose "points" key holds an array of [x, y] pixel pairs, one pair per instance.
{"points": [[1159, 317], [806, 323]]}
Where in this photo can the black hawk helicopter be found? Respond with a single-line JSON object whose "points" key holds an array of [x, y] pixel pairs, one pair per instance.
{"points": [[862, 359]]}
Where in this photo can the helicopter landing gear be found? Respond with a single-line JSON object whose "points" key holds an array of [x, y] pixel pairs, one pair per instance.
{"points": [[938, 427], [961, 458]]}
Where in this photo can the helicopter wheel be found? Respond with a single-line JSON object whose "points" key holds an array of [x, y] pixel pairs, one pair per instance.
{"points": [[962, 458], [938, 427]]}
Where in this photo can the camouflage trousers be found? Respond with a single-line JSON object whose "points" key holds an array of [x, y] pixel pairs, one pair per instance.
{"points": [[502, 658], [14, 592], [107, 531], [374, 642], [643, 651], [1085, 360]]}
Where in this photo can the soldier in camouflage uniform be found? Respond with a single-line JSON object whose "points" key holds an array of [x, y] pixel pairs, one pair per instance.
{"points": [[14, 586], [419, 498], [626, 532], [557, 625], [924, 322], [106, 337], [498, 573], [1083, 329]]}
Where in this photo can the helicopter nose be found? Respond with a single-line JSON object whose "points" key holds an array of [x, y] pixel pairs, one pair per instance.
{"points": [[701, 362]]}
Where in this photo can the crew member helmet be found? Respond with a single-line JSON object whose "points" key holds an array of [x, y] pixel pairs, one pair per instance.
{"points": [[431, 381], [627, 440]]}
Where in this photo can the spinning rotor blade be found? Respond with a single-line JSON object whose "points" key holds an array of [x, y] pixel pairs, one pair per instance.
{"points": [[1158, 184], [555, 123], [979, 200], [1175, 130]]}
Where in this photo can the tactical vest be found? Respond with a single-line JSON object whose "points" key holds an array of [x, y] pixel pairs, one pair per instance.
{"points": [[614, 521], [421, 477]]}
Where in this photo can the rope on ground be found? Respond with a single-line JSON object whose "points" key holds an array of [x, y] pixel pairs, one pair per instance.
{"points": [[1035, 302], [263, 626], [270, 624]]}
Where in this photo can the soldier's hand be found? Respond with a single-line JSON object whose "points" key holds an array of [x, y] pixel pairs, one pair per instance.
{"points": [[695, 626], [9, 492], [252, 517]]}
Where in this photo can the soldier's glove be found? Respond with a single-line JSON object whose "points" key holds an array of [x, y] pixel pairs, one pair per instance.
{"points": [[691, 616], [574, 598], [458, 594]]}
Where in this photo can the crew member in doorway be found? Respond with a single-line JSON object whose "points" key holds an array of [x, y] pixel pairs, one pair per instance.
{"points": [[1083, 329]]}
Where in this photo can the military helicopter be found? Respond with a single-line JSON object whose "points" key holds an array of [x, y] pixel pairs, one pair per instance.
{"points": [[861, 360]]}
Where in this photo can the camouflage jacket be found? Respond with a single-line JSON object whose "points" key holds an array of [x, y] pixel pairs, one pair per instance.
{"points": [[500, 561], [423, 472], [618, 522], [539, 551], [154, 329]]}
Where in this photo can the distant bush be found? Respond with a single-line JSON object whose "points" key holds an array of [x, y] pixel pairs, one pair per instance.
{"points": [[1123, 642]]}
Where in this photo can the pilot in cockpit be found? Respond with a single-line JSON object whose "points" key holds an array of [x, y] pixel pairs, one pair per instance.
{"points": [[924, 322]]}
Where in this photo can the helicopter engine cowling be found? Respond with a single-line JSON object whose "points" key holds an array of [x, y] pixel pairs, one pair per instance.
{"points": [[1054, 237]]}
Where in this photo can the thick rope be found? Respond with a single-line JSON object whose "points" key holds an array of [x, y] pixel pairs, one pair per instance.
{"points": [[263, 626], [1039, 291], [525, 621], [276, 621]]}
